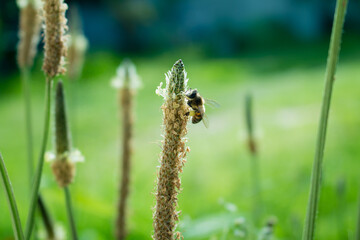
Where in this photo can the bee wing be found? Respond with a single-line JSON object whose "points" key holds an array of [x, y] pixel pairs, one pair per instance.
{"points": [[212, 103], [205, 120]]}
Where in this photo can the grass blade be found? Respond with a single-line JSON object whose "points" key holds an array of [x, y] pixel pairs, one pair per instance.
{"points": [[11, 201], [333, 55]]}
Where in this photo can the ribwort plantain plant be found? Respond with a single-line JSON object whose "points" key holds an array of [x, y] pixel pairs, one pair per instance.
{"points": [[55, 51], [65, 157], [172, 158], [333, 56], [29, 35], [126, 81]]}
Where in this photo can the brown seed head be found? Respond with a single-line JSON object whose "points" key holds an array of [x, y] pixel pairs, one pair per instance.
{"points": [[54, 29], [63, 170], [29, 35]]}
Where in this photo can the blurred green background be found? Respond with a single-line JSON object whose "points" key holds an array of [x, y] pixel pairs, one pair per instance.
{"points": [[282, 69]]}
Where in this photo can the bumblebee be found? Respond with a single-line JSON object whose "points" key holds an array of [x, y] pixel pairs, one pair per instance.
{"points": [[197, 104]]}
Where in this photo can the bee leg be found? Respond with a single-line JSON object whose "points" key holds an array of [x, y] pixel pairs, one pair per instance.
{"points": [[191, 113]]}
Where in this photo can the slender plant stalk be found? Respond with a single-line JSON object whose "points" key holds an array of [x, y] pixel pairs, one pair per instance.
{"points": [[70, 214], [333, 55], [47, 220], [175, 112], [38, 173], [255, 174], [127, 116], [25, 76], [55, 51], [15, 219], [44, 213]]}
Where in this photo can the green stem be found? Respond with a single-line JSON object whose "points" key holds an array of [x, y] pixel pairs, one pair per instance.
{"points": [[25, 77], [16, 223], [69, 210], [357, 236], [38, 173], [333, 55]]}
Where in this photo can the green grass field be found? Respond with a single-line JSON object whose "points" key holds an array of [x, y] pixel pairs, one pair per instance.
{"points": [[216, 179]]}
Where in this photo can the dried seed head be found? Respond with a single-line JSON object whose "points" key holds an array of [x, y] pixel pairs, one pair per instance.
{"points": [[54, 29], [173, 153], [63, 170], [29, 34]]}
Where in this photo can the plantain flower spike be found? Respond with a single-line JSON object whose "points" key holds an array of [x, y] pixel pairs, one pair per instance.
{"points": [[64, 159], [78, 45], [126, 76], [172, 158], [127, 81], [29, 32], [55, 38]]}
